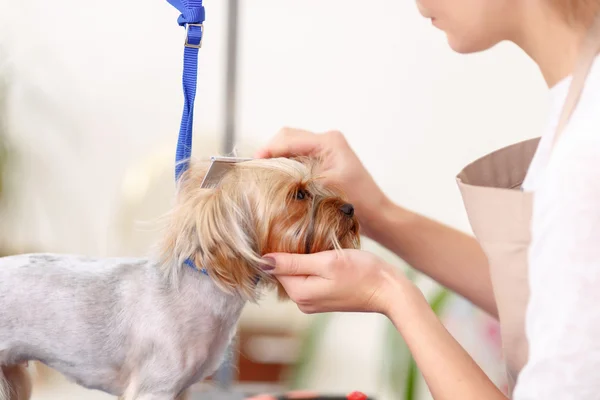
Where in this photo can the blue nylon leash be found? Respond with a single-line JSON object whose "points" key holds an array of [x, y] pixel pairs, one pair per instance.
{"points": [[192, 18]]}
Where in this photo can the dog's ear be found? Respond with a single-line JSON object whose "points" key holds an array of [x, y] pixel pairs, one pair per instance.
{"points": [[177, 242], [228, 243], [214, 228]]}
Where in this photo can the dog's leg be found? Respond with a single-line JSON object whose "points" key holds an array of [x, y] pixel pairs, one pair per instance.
{"points": [[15, 383], [183, 396], [151, 396], [132, 394]]}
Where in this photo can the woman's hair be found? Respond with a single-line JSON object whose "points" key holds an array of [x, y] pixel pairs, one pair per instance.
{"points": [[580, 12], [588, 54]]}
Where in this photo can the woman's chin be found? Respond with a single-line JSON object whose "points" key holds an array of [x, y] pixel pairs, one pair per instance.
{"points": [[467, 46]]}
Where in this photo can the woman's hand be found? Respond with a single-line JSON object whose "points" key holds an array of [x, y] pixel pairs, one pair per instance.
{"points": [[449, 256], [329, 281], [336, 280], [355, 280], [341, 167]]}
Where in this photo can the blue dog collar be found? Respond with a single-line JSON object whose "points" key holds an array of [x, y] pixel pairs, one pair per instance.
{"points": [[191, 264]]}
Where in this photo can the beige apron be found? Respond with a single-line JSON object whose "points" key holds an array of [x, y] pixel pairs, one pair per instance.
{"points": [[500, 215]]}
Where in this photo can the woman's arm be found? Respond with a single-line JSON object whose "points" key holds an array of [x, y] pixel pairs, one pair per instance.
{"points": [[450, 373], [452, 258], [358, 281]]}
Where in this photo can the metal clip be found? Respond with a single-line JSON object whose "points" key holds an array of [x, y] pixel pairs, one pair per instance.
{"points": [[218, 168], [187, 32]]}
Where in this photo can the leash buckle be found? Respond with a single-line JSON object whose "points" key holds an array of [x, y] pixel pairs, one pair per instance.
{"points": [[187, 36]]}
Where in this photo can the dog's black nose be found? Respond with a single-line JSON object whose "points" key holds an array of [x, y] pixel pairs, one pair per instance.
{"points": [[347, 209]]}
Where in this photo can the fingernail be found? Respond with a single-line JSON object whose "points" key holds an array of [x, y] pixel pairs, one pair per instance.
{"points": [[268, 264], [261, 154]]}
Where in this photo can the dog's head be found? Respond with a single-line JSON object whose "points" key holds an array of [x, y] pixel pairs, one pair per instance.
{"points": [[258, 207]]}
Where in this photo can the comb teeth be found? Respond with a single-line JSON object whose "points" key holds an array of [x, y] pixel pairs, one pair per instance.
{"points": [[218, 168]]}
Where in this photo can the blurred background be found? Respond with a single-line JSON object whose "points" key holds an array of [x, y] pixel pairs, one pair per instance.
{"points": [[90, 105]]}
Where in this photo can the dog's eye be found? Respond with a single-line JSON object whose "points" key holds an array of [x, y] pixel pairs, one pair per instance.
{"points": [[301, 194]]}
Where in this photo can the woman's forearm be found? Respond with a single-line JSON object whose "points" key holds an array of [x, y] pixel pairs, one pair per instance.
{"points": [[448, 370], [452, 258]]}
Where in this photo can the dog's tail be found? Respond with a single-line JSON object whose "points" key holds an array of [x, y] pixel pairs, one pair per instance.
{"points": [[15, 383]]}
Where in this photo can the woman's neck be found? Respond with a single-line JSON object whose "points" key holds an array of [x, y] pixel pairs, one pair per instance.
{"points": [[551, 42]]}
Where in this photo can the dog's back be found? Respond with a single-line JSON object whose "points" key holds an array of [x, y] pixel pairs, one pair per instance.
{"points": [[113, 324], [61, 296], [61, 311]]}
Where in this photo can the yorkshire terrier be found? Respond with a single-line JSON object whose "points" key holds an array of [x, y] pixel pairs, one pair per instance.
{"points": [[149, 329]]}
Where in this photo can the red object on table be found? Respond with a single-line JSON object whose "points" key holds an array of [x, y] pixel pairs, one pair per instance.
{"points": [[357, 396]]}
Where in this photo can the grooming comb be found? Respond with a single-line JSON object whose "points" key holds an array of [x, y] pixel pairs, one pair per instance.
{"points": [[218, 168]]}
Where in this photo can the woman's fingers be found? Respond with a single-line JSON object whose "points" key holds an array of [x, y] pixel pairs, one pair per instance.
{"points": [[317, 264], [305, 291], [291, 142]]}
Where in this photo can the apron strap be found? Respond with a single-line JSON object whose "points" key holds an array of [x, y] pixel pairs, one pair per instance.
{"points": [[589, 50]]}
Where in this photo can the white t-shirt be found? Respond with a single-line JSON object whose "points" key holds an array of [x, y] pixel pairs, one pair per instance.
{"points": [[563, 315]]}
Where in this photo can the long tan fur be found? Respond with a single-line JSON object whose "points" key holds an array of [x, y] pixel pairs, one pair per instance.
{"points": [[254, 210]]}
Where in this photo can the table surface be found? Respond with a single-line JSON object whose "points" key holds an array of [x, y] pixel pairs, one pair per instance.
{"points": [[217, 395]]}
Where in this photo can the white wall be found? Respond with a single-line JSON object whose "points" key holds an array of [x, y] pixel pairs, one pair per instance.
{"points": [[413, 110], [96, 88]]}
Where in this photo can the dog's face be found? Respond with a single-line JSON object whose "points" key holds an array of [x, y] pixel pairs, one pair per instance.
{"points": [[258, 207]]}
